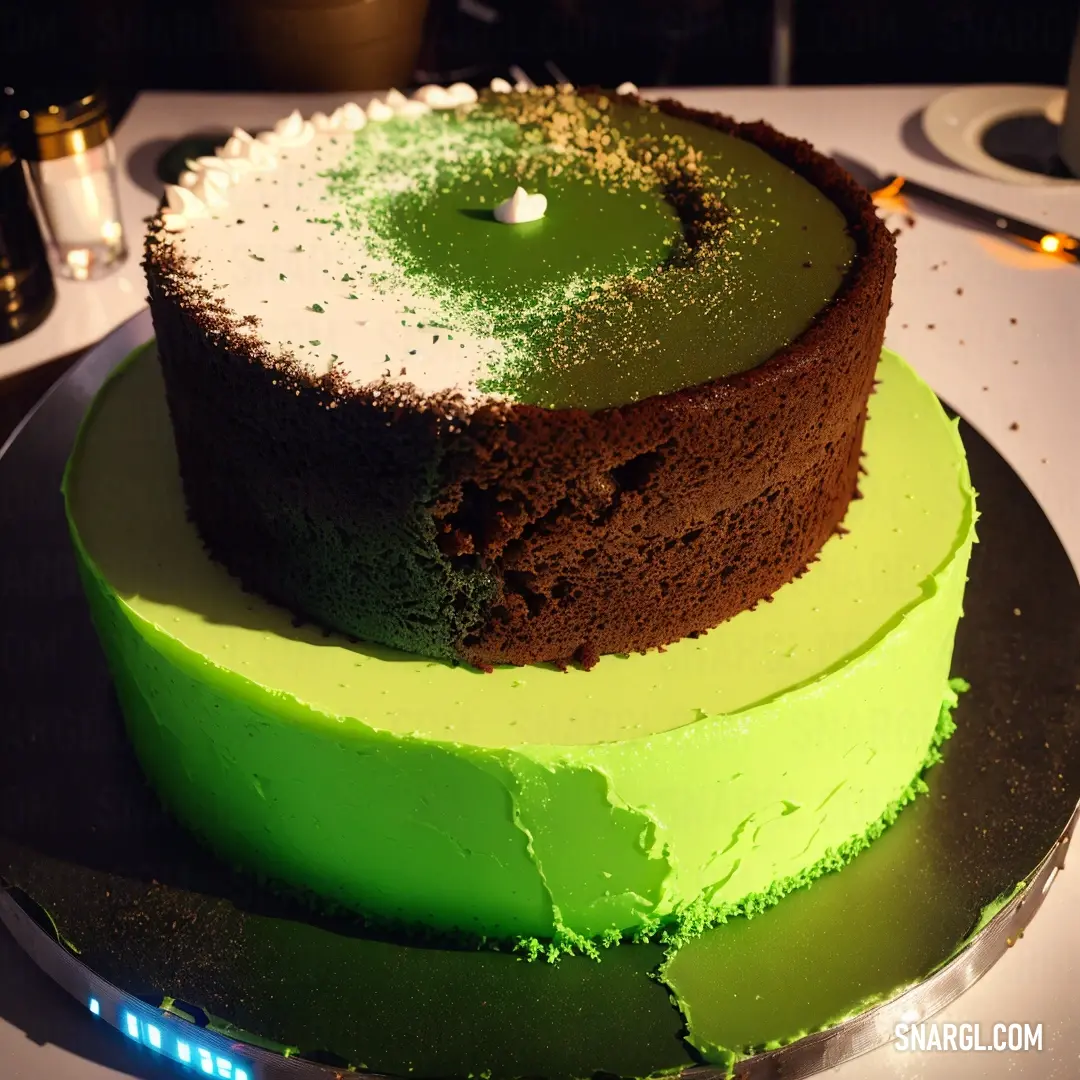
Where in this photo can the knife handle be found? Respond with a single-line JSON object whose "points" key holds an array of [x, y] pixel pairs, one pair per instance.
{"points": [[1054, 243]]}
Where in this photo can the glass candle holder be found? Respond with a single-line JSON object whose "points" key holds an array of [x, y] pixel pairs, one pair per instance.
{"points": [[26, 285], [71, 163]]}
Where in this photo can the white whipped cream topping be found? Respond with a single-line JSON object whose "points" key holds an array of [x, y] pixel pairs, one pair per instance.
{"points": [[210, 190], [353, 117], [435, 97], [379, 111], [462, 93], [182, 205], [212, 170], [238, 226], [412, 109], [182, 200], [250, 245], [239, 145], [521, 207], [261, 158], [223, 171], [294, 130], [210, 176]]}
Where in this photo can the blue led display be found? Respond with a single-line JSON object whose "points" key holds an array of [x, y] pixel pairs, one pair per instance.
{"points": [[161, 1037], [95, 1006]]}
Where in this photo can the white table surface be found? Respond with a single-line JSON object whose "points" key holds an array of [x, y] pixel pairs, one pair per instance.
{"points": [[1017, 382]]}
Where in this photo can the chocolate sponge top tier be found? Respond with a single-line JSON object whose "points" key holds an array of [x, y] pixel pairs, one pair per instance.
{"points": [[594, 432]]}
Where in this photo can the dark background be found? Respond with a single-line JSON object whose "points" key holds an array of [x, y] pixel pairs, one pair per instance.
{"points": [[187, 44]]}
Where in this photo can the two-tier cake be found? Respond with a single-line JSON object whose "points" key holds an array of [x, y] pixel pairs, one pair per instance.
{"points": [[435, 591]]}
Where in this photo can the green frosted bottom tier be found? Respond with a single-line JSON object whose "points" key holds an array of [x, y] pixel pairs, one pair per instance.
{"points": [[663, 788]]}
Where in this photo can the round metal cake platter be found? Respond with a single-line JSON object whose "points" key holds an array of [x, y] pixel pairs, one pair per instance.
{"points": [[212, 970]]}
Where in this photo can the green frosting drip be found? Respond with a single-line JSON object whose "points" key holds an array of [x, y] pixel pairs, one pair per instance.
{"points": [[702, 967], [572, 808], [670, 254], [985, 916], [383, 1007], [699, 916]]}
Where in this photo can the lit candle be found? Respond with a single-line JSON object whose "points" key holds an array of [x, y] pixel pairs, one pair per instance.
{"points": [[72, 167]]}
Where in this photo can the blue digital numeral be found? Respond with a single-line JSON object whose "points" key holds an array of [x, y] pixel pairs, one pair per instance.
{"points": [[159, 1038], [95, 1006]]}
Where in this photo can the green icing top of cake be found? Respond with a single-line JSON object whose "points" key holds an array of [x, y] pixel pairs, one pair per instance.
{"points": [[670, 254]]}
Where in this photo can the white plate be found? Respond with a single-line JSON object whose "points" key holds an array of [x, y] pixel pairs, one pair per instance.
{"points": [[956, 122]]}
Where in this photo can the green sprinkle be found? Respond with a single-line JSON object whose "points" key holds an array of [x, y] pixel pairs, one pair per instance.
{"points": [[315, 341], [353, 296], [274, 229], [299, 247], [281, 277], [318, 307], [346, 277], [257, 258]]}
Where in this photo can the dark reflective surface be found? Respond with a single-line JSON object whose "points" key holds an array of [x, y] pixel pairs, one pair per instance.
{"points": [[1027, 142], [997, 803], [149, 910]]}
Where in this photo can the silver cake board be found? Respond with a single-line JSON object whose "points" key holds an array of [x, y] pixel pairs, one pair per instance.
{"points": [[123, 910]]}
